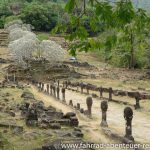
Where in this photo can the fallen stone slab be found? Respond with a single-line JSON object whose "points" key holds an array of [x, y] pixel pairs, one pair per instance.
{"points": [[13, 126], [27, 95]]}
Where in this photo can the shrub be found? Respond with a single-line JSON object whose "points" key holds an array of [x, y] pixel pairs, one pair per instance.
{"points": [[42, 17], [42, 36]]}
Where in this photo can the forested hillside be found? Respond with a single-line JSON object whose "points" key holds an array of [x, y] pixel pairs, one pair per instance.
{"points": [[145, 4]]}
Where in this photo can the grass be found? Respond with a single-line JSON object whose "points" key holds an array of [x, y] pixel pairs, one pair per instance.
{"points": [[43, 36]]}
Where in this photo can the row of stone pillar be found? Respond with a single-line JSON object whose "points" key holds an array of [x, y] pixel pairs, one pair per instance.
{"points": [[101, 90], [128, 115], [52, 89], [128, 112]]}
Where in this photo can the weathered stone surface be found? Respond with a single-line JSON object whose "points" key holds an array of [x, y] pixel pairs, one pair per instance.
{"points": [[69, 115], [78, 133], [74, 121], [55, 126], [81, 110], [94, 95], [104, 107], [89, 103], [128, 115], [32, 118], [65, 122], [9, 125], [54, 115], [27, 95], [11, 113]]}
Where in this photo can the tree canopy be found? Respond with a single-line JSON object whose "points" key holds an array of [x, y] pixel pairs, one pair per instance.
{"points": [[123, 30]]}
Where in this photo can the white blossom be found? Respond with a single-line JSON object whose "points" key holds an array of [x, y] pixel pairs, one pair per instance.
{"points": [[17, 33], [24, 45], [23, 48], [52, 51]]}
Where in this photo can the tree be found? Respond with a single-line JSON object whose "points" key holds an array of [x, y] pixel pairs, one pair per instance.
{"points": [[42, 17], [126, 29]]}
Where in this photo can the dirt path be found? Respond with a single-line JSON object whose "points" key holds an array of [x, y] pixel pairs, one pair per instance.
{"points": [[141, 121], [90, 127]]}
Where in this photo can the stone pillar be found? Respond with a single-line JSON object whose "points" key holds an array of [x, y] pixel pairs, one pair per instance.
{"points": [[101, 92], [104, 107], [58, 90], [7, 77], [87, 88], [32, 117], [14, 78], [42, 87], [39, 86], [54, 91], [77, 88], [81, 88], [89, 103], [63, 93], [47, 89], [128, 115], [71, 103], [78, 106], [27, 105], [110, 93], [65, 84], [137, 105], [58, 83], [51, 89]]}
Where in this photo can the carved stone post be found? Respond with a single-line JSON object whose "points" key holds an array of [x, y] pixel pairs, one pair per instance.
{"points": [[104, 107], [81, 88], [47, 88], [89, 103], [58, 90], [39, 86], [101, 92], [77, 88], [27, 105], [42, 87], [128, 115], [7, 77], [66, 84], [71, 103], [54, 91], [87, 88], [110, 93], [137, 105], [63, 83], [14, 78], [63, 93], [51, 89], [78, 106], [58, 83]]}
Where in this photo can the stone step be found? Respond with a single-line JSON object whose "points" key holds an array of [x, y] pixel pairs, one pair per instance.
{"points": [[4, 39], [2, 33]]}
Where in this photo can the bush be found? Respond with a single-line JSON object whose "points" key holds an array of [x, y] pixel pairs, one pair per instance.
{"points": [[42, 17], [11, 18], [42, 36], [2, 22]]}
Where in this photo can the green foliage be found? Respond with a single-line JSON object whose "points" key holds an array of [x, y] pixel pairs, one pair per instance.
{"points": [[122, 33], [11, 18], [2, 22], [42, 17], [43, 36]]}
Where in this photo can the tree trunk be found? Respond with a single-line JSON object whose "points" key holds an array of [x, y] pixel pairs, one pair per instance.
{"points": [[131, 64]]}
